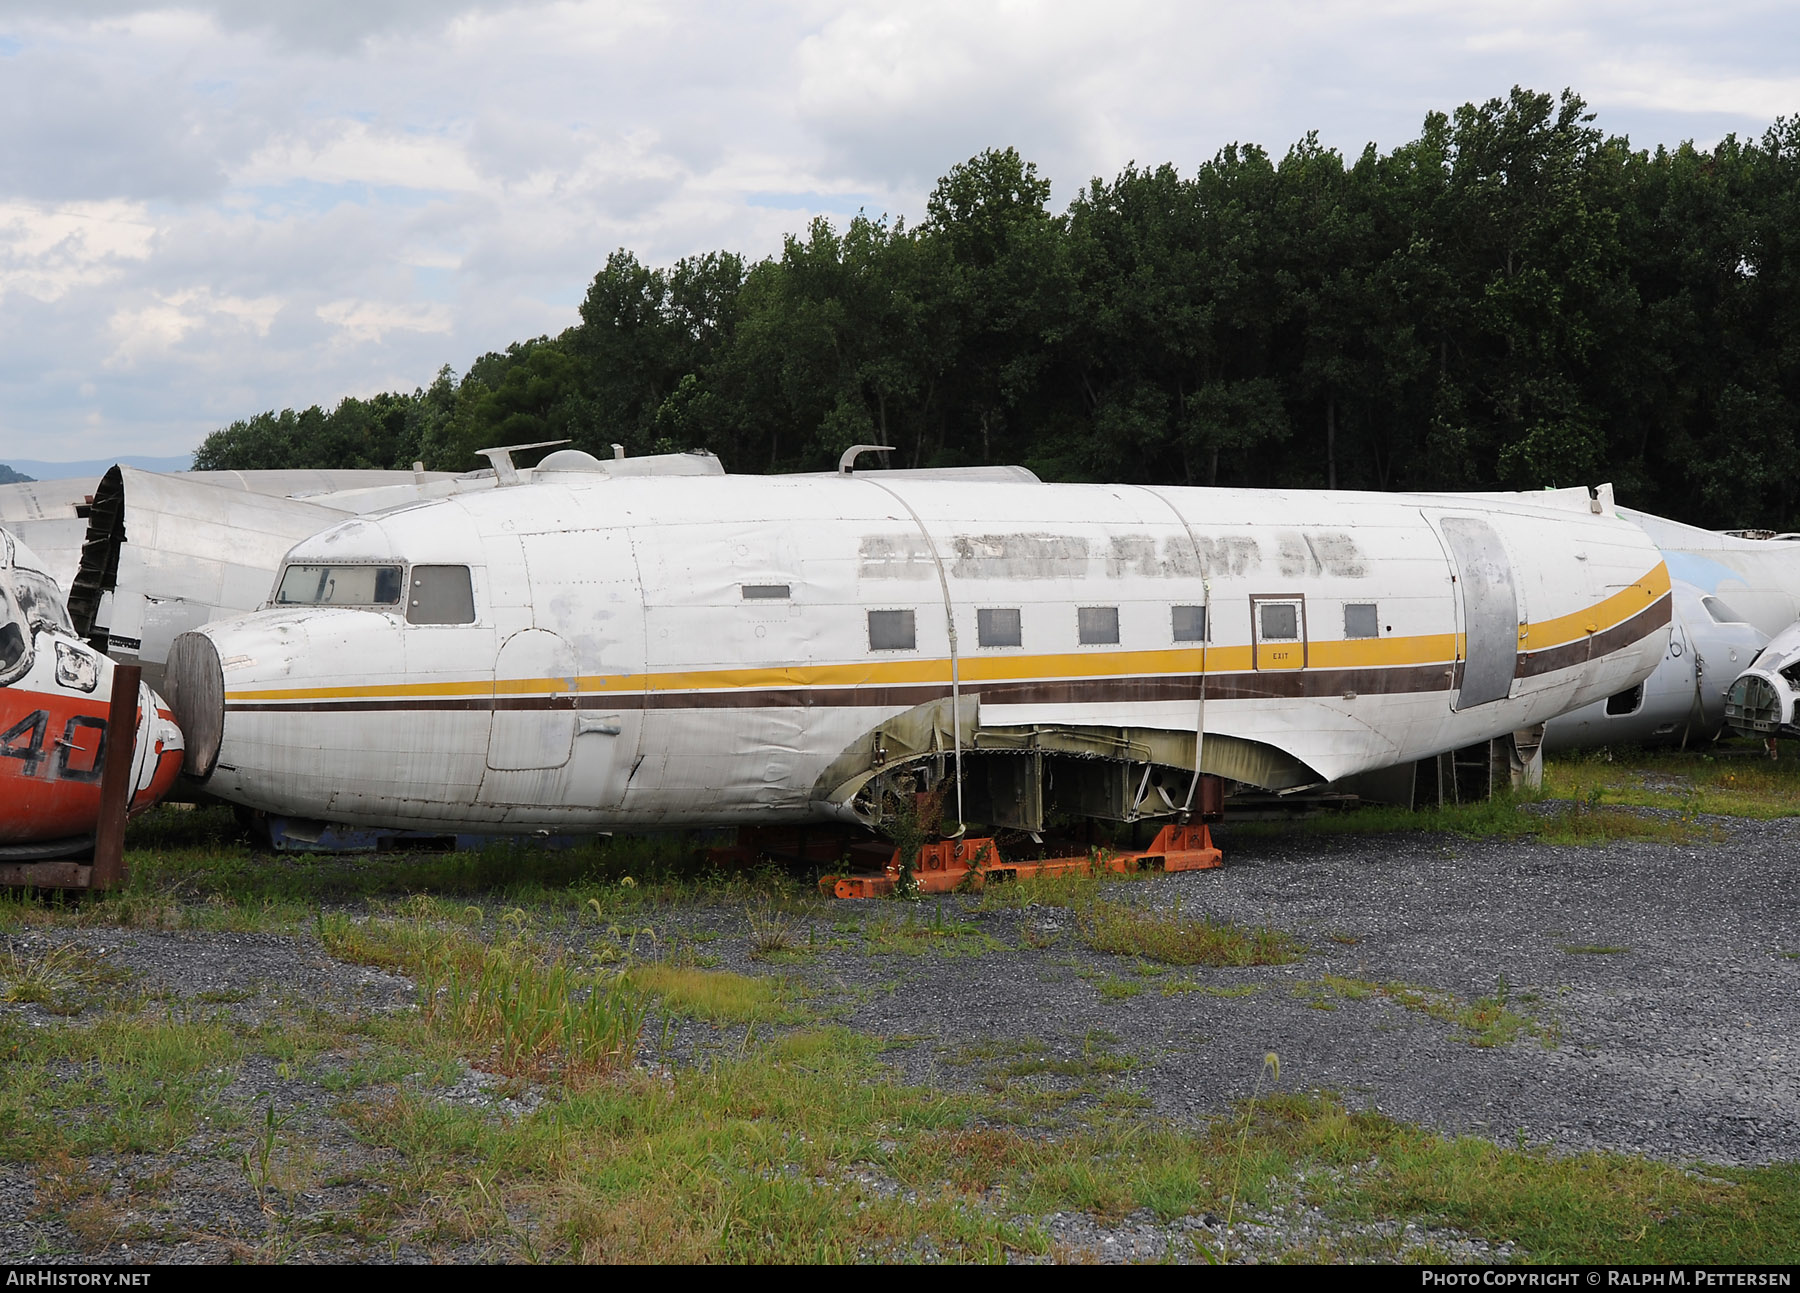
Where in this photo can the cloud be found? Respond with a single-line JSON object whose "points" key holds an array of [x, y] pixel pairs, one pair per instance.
{"points": [[48, 251], [353, 152], [334, 26], [371, 320]]}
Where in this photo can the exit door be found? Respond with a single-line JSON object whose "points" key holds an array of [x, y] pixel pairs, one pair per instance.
{"points": [[1278, 630], [534, 703]]}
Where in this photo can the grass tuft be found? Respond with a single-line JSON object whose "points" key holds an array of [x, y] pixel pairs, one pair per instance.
{"points": [[63, 980], [1125, 930], [1486, 1022], [506, 1004], [527, 1019], [718, 995], [1732, 779]]}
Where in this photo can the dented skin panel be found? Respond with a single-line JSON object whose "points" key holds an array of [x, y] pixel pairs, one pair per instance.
{"points": [[680, 701]]}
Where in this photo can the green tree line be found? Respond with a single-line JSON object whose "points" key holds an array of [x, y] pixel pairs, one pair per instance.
{"points": [[1512, 300]]}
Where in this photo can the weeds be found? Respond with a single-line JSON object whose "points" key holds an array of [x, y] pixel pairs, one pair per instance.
{"points": [[1729, 780], [505, 1003], [1070, 889], [122, 1084], [526, 1019], [1174, 940], [1587, 821], [63, 980], [1116, 989], [259, 1154], [771, 933], [1486, 1022], [1180, 987], [719, 996], [1271, 1069], [905, 932]]}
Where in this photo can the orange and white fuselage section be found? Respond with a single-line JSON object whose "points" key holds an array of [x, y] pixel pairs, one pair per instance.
{"points": [[595, 654], [55, 694]]}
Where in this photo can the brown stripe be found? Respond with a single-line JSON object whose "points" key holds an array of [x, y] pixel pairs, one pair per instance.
{"points": [[1080, 691], [1647, 621]]}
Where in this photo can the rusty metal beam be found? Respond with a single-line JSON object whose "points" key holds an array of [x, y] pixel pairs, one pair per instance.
{"points": [[45, 875], [115, 779]]}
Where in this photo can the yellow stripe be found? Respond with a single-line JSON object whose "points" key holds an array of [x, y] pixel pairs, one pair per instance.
{"points": [[1429, 648], [1616, 609]]}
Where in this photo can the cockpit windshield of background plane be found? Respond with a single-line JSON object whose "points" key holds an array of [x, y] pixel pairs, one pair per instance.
{"points": [[303, 585]]}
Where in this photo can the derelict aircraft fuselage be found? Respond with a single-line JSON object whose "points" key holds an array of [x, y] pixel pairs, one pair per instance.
{"points": [[582, 653], [55, 721]]}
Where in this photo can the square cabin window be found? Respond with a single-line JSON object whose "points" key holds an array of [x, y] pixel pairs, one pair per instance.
{"points": [[1099, 625], [1360, 620], [1280, 621], [1189, 623], [891, 631], [440, 595], [998, 627]]}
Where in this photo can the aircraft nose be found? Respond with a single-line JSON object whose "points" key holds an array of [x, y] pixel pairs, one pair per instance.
{"points": [[194, 683]]}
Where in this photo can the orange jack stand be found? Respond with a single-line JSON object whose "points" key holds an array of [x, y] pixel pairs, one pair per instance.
{"points": [[954, 864]]}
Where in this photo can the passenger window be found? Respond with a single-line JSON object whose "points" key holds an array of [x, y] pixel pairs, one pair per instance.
{"points": [[1099, 625], [1361, 621], [891, 631], [1280, 621], [441, 595], [765, 592], [998, 628], [1189, 623]]}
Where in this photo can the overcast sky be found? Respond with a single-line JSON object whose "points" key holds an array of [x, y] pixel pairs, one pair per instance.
{"points": [[218, 207]]}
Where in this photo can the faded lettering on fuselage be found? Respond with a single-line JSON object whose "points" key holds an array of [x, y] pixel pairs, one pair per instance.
{"points": [[1311, 553], [1148, 556], [976, 556], [1020, 556], [894, 556], [1178, 557]]}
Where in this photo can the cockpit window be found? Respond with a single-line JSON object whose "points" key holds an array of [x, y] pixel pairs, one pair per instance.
{"points": [[441, 595], [1721, 612], [340, 586], [15, 636], [41, 602], [29, 603], [15, 652]]}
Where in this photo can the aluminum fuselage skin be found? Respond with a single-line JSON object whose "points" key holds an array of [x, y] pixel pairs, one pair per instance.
{"points": [[619, 676]]}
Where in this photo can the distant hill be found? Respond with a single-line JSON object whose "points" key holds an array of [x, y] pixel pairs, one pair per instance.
{"points": [[10, 477], [93, 467]]}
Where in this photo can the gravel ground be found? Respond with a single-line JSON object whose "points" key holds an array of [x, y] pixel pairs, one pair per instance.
{"points": [[1677, 1043]]}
